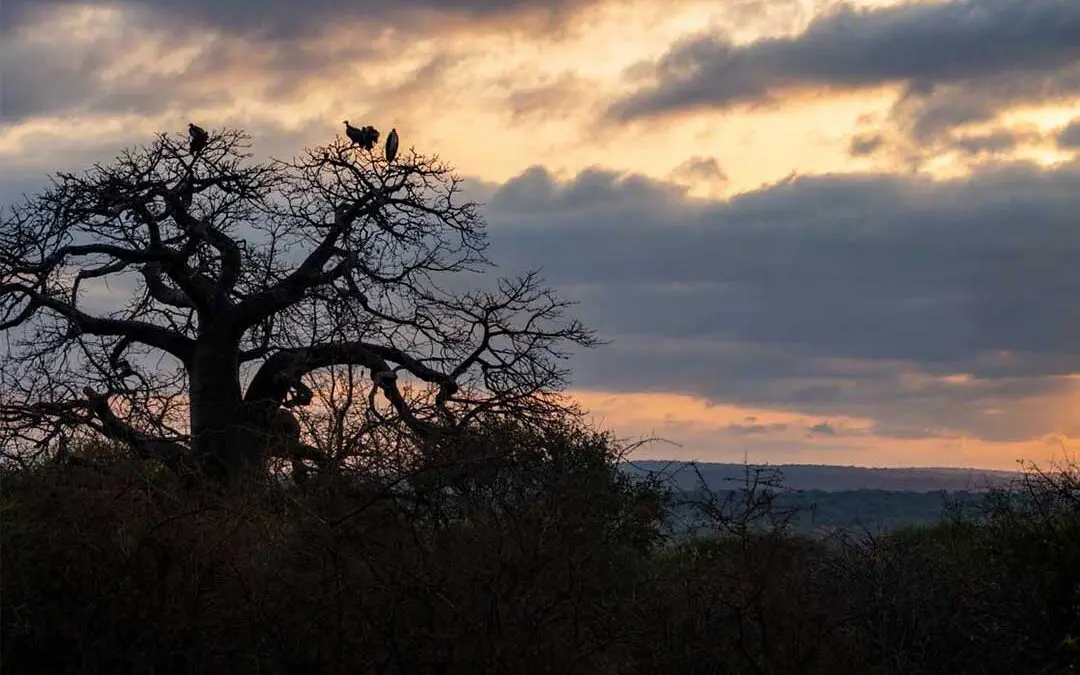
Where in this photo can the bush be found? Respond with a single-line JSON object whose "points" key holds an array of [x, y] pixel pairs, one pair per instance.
{"points": [[992, 593], [525, 569], [516, 550]]}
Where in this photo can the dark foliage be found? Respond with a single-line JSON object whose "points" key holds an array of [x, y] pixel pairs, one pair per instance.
{"points": [[528, 551], [529, 565]]}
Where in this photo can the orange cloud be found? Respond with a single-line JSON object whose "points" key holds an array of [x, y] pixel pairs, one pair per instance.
{"points": [[727, 433]]}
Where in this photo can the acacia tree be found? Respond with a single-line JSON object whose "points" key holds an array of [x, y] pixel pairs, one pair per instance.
{"points": [[180, 302]]}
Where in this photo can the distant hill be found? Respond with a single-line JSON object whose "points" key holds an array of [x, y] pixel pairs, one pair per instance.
{"points": [[830, 498], [818, 512], [833, 478]]}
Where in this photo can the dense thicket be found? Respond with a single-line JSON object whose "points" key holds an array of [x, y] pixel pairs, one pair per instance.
{"points": [[541, 558]]}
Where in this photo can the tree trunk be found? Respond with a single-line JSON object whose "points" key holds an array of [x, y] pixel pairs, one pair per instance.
{"points": [[223, 444], [233, 438]]}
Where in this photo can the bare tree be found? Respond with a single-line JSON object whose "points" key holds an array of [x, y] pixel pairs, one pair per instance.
{"points": [[181, 303]]}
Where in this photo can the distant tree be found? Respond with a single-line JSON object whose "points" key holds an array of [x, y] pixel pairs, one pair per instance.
{"points": [[181, 301]]}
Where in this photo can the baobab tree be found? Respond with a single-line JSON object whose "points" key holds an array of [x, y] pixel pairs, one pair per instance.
{"points": [[179, 301]]}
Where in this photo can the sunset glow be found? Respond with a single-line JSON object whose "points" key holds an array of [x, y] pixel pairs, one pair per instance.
{"points": [[813, 232]]}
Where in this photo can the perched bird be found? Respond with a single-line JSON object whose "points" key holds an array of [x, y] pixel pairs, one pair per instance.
{"points": [[391, 146], [365, 137], [355, 135], [199, 138], [372, 137]]}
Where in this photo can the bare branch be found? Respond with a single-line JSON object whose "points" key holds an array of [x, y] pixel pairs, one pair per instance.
{"points": [[146, 333], [270, 274]]}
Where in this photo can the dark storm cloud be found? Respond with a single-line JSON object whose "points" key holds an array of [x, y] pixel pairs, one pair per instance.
{"points": [[876, 266], [922, 45], [822, 294]]}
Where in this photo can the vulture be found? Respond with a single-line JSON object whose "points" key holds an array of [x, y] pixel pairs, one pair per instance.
{"points": [[355, 135], [199, 137], [365, 137], [391, 146]]}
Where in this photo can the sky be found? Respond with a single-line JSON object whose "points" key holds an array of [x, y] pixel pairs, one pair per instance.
{"points": [[811, 231]]}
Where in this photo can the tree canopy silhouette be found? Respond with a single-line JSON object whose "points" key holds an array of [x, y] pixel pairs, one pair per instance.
{"points": [[188, 304]]}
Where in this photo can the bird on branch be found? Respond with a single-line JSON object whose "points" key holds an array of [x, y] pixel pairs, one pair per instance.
{"points": [[391, 146], [366, 137], [199, 138]]}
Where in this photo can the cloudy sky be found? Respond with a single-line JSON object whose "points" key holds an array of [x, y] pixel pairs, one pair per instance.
{"points": [[813, 231]]}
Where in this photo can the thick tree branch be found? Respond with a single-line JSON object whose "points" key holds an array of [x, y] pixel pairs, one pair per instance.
{"points": [[118, 253], [229, 250], [148, 334], [162, 293], [170, 453], [279, 373], [292, 288], [273, 377]]}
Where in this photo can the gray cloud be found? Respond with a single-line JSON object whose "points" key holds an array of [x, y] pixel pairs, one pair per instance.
{"points": [[557, 97], [865, 144], [705, 170], [922, 45], [857, 265], [956, 63], [281, 49], [1069, 136], [285, 19], [754, 429], [994, 142], [823, 294], [822, 429], [925, 123], [44, 78], [57, 76]]}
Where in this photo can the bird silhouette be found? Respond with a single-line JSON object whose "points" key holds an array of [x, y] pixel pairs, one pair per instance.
{"points": [[199, 138], [391, 146], [366, 137], [355, 135]]}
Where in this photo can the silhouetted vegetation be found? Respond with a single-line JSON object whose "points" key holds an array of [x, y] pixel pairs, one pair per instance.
{"points": [[532, 553], [225, 317]]}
